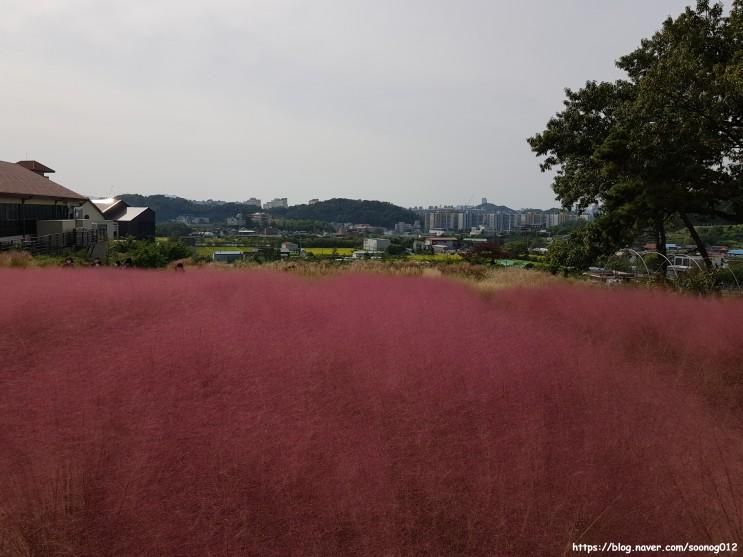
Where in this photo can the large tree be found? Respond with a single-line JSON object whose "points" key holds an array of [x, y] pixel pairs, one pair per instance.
{"points": [[664, 143], [584, 144]]}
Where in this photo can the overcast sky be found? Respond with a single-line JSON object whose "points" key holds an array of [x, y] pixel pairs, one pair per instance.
{"points": [[417, 102]]}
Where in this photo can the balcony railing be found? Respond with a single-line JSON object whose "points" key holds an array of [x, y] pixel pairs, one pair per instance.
{"points": [[80, 238]]}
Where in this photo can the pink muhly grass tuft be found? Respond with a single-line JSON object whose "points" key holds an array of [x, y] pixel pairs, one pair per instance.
{"points": [[148, 413]]}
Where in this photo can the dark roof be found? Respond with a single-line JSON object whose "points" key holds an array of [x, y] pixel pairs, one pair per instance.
{"points": [[36, 166], [18, 181]]}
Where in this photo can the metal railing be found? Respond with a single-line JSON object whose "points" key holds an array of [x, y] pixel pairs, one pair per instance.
{"points": [[51, 244]]}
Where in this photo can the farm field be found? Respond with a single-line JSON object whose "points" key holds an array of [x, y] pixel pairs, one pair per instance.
{"points": [[208, 250], [261, 413], [438, 258], [341, 252]]}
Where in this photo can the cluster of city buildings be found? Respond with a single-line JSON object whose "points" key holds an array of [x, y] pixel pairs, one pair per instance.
{"points": [[494, 218], [243, 219], [484, 218], [487, 217]]}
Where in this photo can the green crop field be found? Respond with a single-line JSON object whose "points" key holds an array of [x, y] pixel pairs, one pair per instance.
{"points": [[435, 258], [341, 252], [208, 250]]}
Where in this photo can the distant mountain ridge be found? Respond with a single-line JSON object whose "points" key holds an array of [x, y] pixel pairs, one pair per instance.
{"points": [[374, 213]]}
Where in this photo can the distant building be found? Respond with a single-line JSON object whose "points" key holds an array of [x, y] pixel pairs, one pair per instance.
{"points": [[90, 211], [492, 218], [135, 222], [441, 244], [27, 196], [279, 202], [376, 244], [261, 220], [499, 221], [473, 241], [253, 201], [447, 219], [532, 219], [37, 213], [718, 251], [688, 260], [313, 201], [651, 246], [590, 212], [462, 219], [227, 256], [289, 248], [558, 217], [403, 228]]}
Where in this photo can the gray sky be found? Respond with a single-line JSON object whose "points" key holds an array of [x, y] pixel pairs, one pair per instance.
{"points": [[417, 102]]}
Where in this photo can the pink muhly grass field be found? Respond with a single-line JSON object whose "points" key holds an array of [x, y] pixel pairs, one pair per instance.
{"points": [[239, 413]]}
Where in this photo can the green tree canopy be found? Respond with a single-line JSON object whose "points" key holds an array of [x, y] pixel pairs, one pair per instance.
{"points": [[665, 143], [374, 213]]}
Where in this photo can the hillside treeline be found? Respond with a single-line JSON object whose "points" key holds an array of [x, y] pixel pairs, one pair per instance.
{"points": [[375, 213]]}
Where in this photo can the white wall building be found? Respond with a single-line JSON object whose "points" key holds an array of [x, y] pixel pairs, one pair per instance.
{"points": [[276, 203], [376, 244]]}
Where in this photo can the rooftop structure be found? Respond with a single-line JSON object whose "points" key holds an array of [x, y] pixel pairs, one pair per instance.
{"points": [[36, 167], [20, 181]]}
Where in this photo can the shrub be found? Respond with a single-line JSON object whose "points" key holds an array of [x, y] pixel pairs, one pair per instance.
{"points": [[570, 254], [464, 270], [484, 253], [15, 258], [149, 253]]}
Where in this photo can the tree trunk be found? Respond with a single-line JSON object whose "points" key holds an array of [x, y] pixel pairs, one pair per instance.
{"points": [[697, 240], [660, 245]]}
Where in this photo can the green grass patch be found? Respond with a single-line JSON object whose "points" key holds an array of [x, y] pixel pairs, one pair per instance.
{"points": [[714, 235], [209, 250], [341, 252], [438, 258]]}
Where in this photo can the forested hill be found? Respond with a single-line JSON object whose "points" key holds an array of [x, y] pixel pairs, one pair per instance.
{"points": [[168, 207], [375, 213]]}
